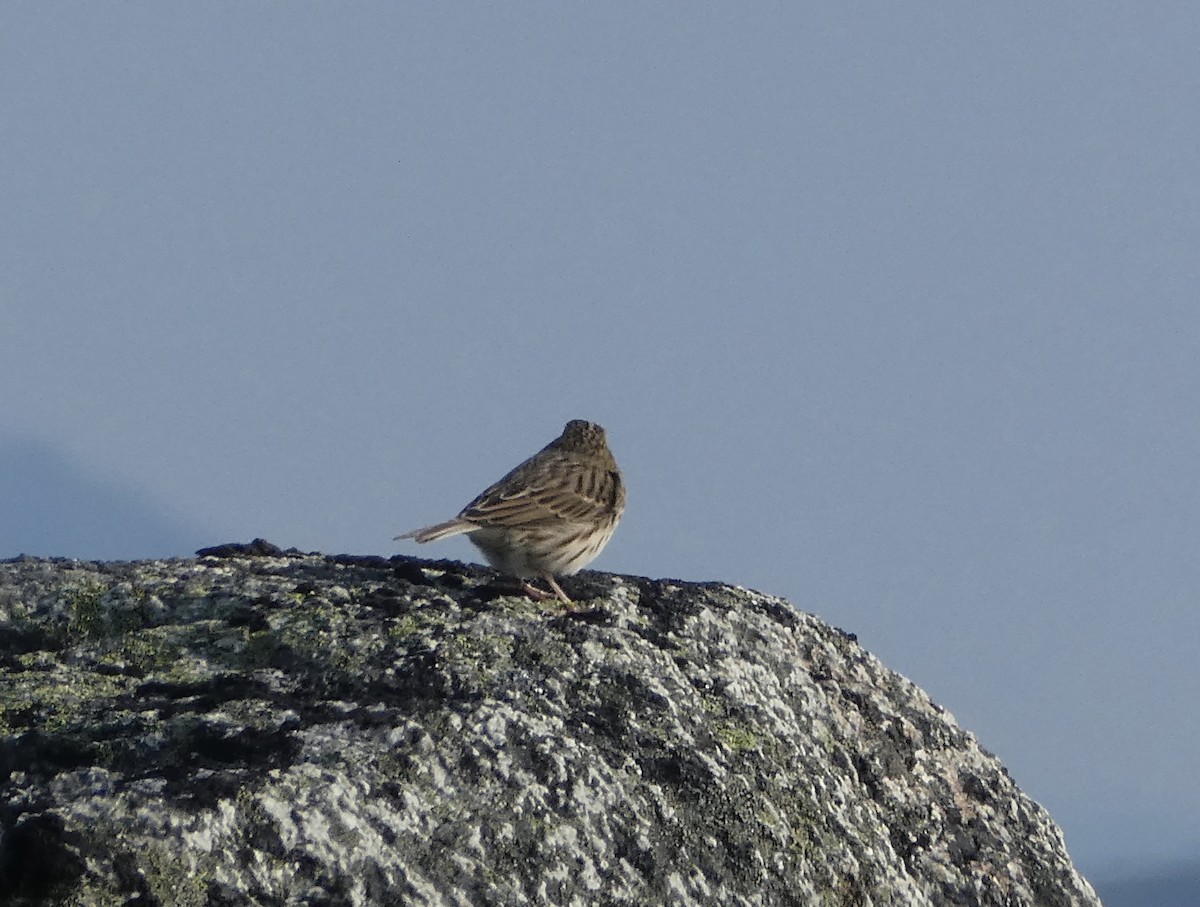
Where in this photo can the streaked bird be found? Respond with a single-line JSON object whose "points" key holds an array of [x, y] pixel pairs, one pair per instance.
{"points": [[548, 517]]}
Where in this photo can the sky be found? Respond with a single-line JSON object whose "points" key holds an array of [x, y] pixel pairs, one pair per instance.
{"points": [[889, 310]]}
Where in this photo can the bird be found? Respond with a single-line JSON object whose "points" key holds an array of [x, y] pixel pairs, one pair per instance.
{"points": [[550, 516]]}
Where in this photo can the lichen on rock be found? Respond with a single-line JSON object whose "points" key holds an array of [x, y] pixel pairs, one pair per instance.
{"points": [[259, 726]]}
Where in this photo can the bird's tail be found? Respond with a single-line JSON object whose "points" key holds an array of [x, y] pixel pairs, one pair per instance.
{"points": [[438, 531]]}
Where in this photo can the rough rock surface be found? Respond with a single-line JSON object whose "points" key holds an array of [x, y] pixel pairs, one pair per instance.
{"points": [[265, 727]]}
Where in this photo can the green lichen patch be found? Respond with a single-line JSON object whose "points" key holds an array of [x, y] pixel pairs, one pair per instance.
{"points": [[52, 698]]}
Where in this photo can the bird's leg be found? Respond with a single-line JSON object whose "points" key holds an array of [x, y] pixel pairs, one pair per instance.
{"points": [[538, 595], [562, 596]]}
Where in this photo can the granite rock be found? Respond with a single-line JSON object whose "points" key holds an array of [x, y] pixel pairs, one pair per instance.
{"points": [[257, 726]]}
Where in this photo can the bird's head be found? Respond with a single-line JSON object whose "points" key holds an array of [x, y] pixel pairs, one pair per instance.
{"points": [[583, 436]]}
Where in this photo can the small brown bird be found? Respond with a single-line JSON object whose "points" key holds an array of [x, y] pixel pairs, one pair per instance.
{"points": [[550, 516]]}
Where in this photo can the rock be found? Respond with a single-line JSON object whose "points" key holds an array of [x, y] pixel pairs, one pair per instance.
{"points": [[278, 728]]}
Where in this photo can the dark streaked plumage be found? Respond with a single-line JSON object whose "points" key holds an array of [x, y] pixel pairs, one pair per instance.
{"points": [[548, 517]]}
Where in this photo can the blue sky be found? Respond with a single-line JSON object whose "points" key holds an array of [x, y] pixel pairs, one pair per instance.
{"points": [[888, 310]]}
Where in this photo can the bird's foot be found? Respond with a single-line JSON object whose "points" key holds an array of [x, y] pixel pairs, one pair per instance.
{"points": [[538, 595], [541, 595]]}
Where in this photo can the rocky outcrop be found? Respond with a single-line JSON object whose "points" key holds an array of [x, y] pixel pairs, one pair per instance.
{"points": [[265, 727]]}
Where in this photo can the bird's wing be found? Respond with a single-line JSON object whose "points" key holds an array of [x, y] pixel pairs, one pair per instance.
{"points": [[551, 491]]}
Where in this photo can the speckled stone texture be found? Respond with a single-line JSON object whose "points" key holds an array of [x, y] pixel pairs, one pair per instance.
{"points": [[266, 727]]}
